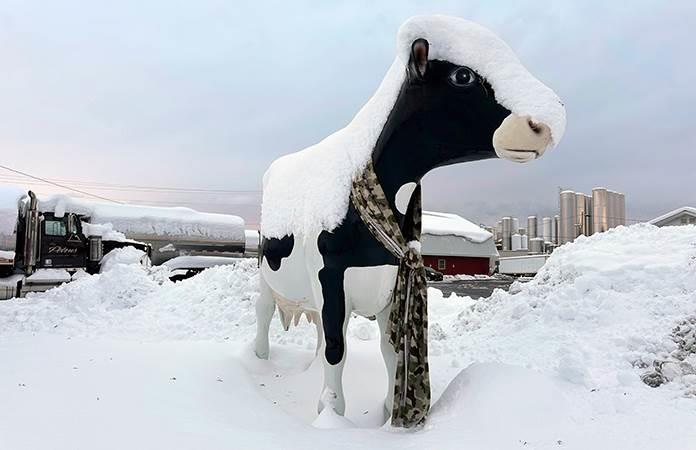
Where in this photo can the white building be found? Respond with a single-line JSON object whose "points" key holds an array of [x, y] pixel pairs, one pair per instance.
{"points": [[686, 215]]}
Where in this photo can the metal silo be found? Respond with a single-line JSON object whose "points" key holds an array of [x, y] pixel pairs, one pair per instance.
{"points": [[546, 225], [532, 226], [507, 232], [554, 229], [566, 229], [622, 209], [587, 223], [612, 209], [525, 242], [516, 242], [536, 245], [580, 213], [599, 210], [515, 225]]}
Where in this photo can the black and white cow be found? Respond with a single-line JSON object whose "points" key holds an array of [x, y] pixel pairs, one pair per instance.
{"points": [[445, 109]]}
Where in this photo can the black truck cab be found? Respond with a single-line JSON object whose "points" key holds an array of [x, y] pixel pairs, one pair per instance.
{"points": [[61, 242], [46, 241]]}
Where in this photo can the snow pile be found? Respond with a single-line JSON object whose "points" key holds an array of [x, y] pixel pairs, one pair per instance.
{"points": [[445, 224], [130, 300], [119, 256], [531, 412], [598, 314], [320, 176]]}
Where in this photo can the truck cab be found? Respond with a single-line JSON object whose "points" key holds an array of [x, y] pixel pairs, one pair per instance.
{"points": [[61, 242], [46, 240]]}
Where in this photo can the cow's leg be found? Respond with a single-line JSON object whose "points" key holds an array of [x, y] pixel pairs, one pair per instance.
{"points": [[334, 314], [265, 307], [389, 356], [320, 335]]}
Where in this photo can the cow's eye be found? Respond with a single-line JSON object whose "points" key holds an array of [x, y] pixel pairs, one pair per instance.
{"points": [[462, 77]]}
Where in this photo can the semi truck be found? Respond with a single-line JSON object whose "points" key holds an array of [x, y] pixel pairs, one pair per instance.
{"points": [[50, 248], [45, 241]]}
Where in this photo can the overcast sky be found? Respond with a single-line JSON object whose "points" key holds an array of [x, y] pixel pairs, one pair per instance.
{"points": [[206, 94]]}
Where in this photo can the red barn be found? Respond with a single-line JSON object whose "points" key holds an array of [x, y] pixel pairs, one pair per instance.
{"points": [[454, 246]]}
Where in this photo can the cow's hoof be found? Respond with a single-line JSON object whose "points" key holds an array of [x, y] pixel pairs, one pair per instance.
{"points": [[330, 399], [261, 352], [386, 411]]}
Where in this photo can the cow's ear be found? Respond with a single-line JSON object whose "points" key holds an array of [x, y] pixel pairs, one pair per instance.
{"points": [[418, 62]]}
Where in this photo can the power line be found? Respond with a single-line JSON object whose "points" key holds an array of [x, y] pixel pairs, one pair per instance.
{"points": [[233, 203], [145, 188], [63, 186]]}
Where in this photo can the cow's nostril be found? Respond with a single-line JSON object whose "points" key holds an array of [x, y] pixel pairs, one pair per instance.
{"points": [[535, 127]]}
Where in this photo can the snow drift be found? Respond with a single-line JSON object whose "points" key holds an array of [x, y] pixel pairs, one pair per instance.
{"points": [[559, 362]]}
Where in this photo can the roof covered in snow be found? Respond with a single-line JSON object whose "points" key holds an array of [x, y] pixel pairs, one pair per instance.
{"points": [[446, 234], [672, 214], [308, 191], [441, 224]]}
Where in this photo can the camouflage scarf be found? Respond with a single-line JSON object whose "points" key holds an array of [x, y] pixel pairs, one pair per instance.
{"points": [[408, 321]]}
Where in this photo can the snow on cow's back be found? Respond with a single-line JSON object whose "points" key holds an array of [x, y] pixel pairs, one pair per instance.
{"points": [[308, 191]]}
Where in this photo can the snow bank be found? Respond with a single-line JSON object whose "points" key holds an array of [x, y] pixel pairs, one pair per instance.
{"points": [[308, 191], [600, 313], [444, 223], [555, 363], [130, 300]]}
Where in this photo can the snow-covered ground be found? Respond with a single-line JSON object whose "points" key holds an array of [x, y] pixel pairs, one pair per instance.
{"points": [[128, 359]]}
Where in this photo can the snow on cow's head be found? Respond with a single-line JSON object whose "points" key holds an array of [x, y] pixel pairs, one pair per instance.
{"points": [[517, 115]]}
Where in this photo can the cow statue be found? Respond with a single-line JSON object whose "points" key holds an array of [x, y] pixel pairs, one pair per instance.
{"points": [[455, 93]]}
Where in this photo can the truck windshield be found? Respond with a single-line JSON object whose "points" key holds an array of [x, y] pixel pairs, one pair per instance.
{"points": [[55, 228]]}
